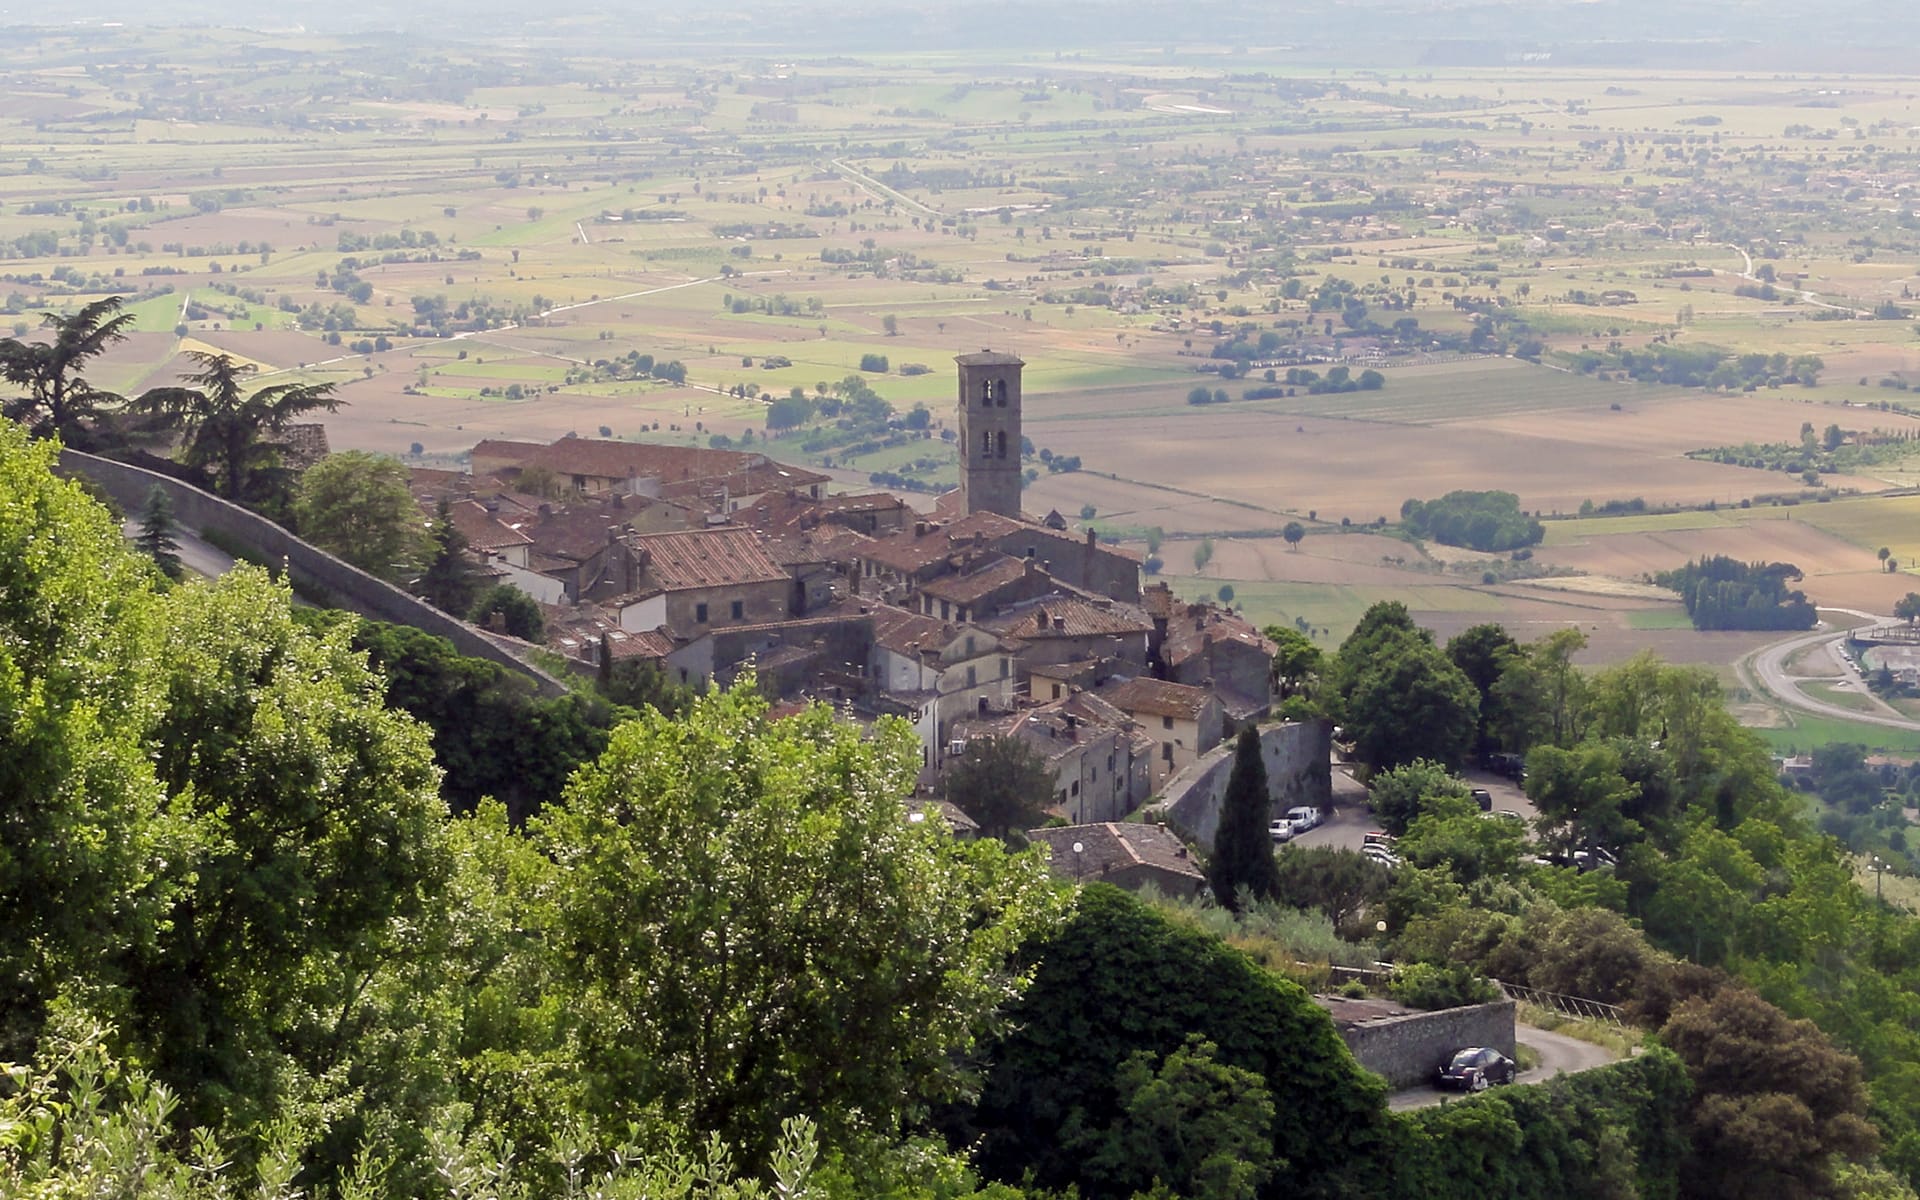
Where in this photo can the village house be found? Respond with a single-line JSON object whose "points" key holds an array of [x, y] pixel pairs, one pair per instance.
{"points": [[695, 581], [1205, 645], [1061, 628], [1185, 721], [1129, 855], [591, 467]]}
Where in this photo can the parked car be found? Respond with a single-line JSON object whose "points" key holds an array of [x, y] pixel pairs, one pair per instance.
{"points": [[1475, 1069], [1281, 830], [1506, 814], [1377, 837], [1483, 798], [1381, 855], [1303, 818]]}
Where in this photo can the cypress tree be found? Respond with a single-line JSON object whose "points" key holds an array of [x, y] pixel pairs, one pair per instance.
{"points": [[1242, 848], [156, 533]]}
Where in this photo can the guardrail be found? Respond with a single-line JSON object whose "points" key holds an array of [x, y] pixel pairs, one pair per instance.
{"points": [[1577, 1007]]}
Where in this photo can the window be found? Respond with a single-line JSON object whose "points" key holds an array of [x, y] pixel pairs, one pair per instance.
{"points": [[683, 674], [1001, 439], [969, 645], [739, 610], [986, 392], [1075, 789], [971, 673], [986, 443], [700, 614], [1166, 751], [1166, 722], [1109, 764], [943, 610], [1056, 691]]}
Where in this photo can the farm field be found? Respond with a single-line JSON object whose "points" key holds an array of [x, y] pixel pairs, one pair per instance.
{"points": [[485, 257]]}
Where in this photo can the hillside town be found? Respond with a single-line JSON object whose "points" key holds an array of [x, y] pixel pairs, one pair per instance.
{"points": [[974, 620]]}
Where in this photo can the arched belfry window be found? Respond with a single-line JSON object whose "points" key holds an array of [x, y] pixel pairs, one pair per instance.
{"points": [[986, 443], [1001, 438]]}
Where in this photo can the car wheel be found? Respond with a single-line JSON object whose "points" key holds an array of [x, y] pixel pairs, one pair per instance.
{"points": [[1479, 1083]]}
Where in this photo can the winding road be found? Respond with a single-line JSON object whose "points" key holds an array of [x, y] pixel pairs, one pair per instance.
{"points": [[1768, 670], [1559, 1055], [1811, 299]]}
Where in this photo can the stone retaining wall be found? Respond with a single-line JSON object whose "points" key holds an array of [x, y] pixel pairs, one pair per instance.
{"points": [[1407, 1050], [345, 585], [1299, 772]]}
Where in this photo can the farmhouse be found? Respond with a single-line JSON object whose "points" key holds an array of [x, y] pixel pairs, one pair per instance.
{"points": [[1129, 855]]}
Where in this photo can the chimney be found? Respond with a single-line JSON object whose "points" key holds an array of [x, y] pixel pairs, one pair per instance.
{"points": [[919, 529], [1059, 624], [546, 510], [1091, 538], [1030, 568]]}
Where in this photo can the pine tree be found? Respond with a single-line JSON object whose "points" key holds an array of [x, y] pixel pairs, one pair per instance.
{"points": [[1243, 849], [449, 583], [156, 534]]}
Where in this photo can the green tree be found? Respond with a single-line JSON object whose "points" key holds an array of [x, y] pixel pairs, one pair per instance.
{"points": [[1907, 607], [1294, 532], [1339, 883], [450, 582], [1400, 794], [1774, 1101], [753, 926], [1203, 554], [1121, 979], [1002, 783], [1480, 652], [1541, 694], [1242, 860], [227, 432], [58, 400], [1409, 703], [1582, 796], [358, 506], [639, 683], [1192, 1123], [1452, 833], [156, 539], [519, 612], [1297, 662]]}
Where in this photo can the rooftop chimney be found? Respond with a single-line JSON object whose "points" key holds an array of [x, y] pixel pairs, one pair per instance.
{"points": [[1091, 538]]}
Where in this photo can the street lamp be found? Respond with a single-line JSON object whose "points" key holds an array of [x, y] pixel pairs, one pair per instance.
{"points": [[1078, 849], [1879, 873]]}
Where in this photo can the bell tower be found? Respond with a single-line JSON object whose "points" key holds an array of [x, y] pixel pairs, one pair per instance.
{"points": [[989, 432]]}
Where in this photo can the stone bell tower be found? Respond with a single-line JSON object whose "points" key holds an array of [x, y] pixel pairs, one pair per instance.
{"points": [[989, 432]]}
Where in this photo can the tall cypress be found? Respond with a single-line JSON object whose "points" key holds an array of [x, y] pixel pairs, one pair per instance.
{"points": [[1242, 848]]}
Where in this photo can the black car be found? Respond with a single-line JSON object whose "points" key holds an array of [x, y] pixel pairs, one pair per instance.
{"points": [[1483, 798], [1475, 1069]]}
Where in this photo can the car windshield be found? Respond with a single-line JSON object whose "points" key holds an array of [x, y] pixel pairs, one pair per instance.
{"points": [[1466, 1058]]}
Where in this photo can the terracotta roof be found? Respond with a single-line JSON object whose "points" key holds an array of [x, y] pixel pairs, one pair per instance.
{"points": [[975, 585], [911, 551], [908, 633], [1060, 616], [482, 529], [1158, 697], [645, 460], [1114, 846], [861, 502], [573, 534], [751, 480], [652, 643], [707, 558]]}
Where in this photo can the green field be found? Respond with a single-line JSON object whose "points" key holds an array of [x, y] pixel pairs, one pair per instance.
{"points": [[1808, 732], [1332, 609]]}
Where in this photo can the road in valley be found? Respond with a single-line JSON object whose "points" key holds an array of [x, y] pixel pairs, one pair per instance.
{"points": [[1559, 1055], [1767, 669]]}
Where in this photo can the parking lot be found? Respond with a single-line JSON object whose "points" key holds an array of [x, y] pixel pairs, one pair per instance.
{"points": [[1350, 819]]}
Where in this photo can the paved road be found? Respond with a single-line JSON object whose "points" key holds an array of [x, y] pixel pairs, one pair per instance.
{"points": [[1769, 667], [1559, 1055], [195, 554], [1351, 820]]}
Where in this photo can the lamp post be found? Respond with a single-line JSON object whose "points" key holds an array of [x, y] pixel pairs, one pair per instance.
{"points": [[1078, 849], [1879, 873]]}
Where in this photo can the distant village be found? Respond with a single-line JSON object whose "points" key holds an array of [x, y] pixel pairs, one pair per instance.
{"points": [[977, 620]]}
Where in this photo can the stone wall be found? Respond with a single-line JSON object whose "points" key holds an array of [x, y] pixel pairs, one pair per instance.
{"points": [[1407, 1050], [1298, 756], [313, 569]]}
